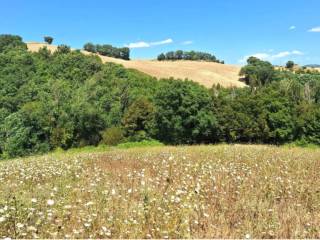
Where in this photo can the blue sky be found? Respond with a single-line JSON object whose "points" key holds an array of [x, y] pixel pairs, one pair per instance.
{"points": [[275, 30]]}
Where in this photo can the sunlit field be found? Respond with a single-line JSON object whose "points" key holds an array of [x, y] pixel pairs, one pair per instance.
{"points": [[163, 192]]}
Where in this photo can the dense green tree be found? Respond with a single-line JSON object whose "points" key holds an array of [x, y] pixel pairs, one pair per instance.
{"points": [[11, 41], [240, 116], [124, 53], [179, 55], [74, 66], [90, 47], [108, 50], [16, 69], [308, 123], [183, 113], [170, 55], [88, 122], [21, 134], [257, 72], [14, 136], [185, 55], [279, 115], [139, 117], [161, 57]]}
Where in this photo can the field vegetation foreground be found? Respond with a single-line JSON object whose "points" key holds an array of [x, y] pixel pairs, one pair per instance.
{"points": [[220, 191]]}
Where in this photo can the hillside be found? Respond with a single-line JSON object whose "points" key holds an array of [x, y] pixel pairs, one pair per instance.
{"points": [[312, 66], [69, 99], [205, 73]]}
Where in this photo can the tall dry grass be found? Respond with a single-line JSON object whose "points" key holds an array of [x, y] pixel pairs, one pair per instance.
{"points": [[163, 192]]}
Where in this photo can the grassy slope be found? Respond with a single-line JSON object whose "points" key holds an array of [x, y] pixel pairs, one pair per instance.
{"points": [[205, 73], [177, 192]]}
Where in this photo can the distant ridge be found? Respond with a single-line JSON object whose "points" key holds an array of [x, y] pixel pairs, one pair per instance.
{"points": [[312, 65], [205, 73]]}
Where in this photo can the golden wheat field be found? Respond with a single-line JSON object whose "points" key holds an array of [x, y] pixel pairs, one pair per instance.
{"points": [[219, 191], [205, 73]]}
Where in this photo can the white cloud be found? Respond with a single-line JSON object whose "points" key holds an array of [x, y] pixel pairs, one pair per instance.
{"points": [[167, 41], [143, 44], [271, 57], [315, 29], [138, 45], [292, 28], [297, 52], [187, 42], [280, 55]]}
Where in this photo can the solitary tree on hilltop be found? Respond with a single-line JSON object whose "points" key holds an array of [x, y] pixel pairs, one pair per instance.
{"points": [[290, 64], [48, 39]]}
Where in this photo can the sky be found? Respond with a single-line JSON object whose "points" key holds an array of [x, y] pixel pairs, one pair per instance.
{"points": [[232, 30]]}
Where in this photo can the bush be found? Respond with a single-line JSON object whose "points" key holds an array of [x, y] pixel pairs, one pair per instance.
{"points": [[63, 49], [139, 136], [145, 143], [112, 136]]}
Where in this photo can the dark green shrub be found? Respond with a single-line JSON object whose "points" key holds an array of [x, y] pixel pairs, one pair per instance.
{"points": [[112, 136], [63, 49], [11, 41]]}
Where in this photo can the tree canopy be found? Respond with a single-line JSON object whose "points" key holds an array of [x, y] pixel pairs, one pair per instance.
{"points": [[290, 64], [108, 50], [48, 39], [257, 72], [11, 41], [185, 55]]}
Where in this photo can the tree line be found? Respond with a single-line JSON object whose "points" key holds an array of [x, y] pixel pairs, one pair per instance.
{"points": [[66, 99], [188, 55], [108, 50]]}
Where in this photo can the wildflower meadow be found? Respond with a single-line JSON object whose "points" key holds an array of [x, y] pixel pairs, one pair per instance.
{"points": [[163, 192]]}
